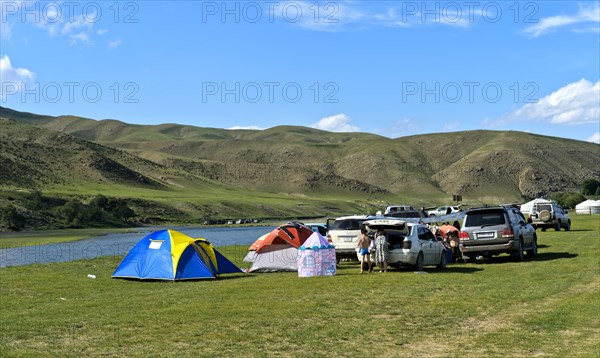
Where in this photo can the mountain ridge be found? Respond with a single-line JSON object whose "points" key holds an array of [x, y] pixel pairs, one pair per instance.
{"points": [[483, 166]]}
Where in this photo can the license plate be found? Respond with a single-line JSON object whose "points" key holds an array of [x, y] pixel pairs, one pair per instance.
{"points": [[485, 235], [348, 239]]}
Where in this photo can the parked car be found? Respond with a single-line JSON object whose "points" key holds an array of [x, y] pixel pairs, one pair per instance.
{"points": [[492, 231], [443, 210], [410, 244], [321, 228], [407, 214], [397, 208], [343, 234], [549, 215]]}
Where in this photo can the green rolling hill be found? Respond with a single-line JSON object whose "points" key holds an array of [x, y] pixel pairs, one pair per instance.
{"points": [[192, 172]]}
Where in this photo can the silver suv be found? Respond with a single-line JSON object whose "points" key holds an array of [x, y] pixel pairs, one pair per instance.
{"points": [[496, 230], [549, 215]]}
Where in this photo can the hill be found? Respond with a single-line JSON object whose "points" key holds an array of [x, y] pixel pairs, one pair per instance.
{"points": [[54, 153]]}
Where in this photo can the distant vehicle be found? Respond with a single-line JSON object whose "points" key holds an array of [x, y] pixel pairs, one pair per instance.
{"points": [[343, 234], [443, 210], [396, 208], [410, 244], [406, 214], [549, 215], [321, 228], [495, 230]]}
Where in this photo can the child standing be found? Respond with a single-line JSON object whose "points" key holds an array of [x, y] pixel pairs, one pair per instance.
{"points": [[363, 245]]}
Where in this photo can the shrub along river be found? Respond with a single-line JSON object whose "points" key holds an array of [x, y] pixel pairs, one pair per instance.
{"points": [[120, 244]]}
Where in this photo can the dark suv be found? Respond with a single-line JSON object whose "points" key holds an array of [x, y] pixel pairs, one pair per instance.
{"points": [[495, 230]]}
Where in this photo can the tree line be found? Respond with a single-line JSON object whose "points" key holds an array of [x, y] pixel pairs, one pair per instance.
{"points": [[67, 213]]}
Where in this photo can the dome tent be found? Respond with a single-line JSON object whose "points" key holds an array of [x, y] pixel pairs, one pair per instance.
{"points": [[172, 255], [588, 207], [277, 250]]}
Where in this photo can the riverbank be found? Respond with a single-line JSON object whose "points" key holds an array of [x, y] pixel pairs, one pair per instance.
{"points": [[43, 237]]}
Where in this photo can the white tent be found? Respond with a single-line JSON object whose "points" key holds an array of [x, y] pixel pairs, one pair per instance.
{"points": [[588, 207], [526, 208]]}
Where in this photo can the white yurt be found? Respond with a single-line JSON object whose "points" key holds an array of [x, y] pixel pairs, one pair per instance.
{"points": [[588, 207]]}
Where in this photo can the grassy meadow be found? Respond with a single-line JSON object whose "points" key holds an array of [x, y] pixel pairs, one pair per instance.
{"points": [[548, 306]]}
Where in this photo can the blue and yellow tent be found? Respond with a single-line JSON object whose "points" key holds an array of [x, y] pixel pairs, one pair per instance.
{"points": [[171, 255]]}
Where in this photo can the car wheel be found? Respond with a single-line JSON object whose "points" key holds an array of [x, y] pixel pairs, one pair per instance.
{"points": [[568, 227], [533, 251], [442, 264], [557, 227], [519, 253], [419, 263]]}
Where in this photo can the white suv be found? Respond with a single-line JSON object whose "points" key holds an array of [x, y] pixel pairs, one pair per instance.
{"points": [[443, 210], [343, 234], [549, 215]]}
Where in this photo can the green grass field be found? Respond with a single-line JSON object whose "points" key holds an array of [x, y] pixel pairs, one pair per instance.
{"points": [[543, 307]]}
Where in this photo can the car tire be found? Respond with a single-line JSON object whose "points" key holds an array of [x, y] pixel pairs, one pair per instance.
{"points": [[533, 251], [557, 227], [442, 264], [518, 255], [568, 227], [420, 261]]}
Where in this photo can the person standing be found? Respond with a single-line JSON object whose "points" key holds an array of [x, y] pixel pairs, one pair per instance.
{"points": [[364, 242], [381, 250]]}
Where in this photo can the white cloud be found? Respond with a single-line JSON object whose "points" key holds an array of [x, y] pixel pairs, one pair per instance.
{"points": [[594, 138], [336, 123], [13, 79], [79, 37], [585, 15], [114, 44], [338, 16], [247, 127], [575, 103], [101, 32]]}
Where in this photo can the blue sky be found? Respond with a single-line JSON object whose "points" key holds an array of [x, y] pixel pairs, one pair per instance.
{"points": [[391, 68]]}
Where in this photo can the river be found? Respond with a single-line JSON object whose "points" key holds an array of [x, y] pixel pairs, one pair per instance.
{"points": [[119, 244]]}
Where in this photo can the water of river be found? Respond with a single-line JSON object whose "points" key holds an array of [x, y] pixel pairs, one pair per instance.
{"points": [[119, 244]]}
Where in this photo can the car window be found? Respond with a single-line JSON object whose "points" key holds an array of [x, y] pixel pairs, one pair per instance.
{"points": [[424, 234], [488, 218], [347, 224], [542, 207], [513, 217]]}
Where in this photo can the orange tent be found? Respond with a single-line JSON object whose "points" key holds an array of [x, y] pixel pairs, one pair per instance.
{"points": [[292, 233], [278, 250]]}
